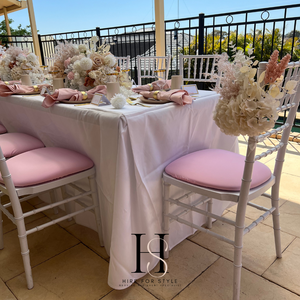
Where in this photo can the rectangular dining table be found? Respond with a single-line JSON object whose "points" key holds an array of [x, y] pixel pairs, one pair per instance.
{"points": [[130, 148]]}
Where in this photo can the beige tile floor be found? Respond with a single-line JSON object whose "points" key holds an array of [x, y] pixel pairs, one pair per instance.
{"points": [[68, 262]]}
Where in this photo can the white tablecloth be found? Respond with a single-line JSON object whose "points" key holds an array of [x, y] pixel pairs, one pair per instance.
{"points": [[130, 148]]}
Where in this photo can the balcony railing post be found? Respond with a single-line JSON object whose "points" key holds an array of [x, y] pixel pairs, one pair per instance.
{"points": [[41, 49], [98, 35], [201, 34]]}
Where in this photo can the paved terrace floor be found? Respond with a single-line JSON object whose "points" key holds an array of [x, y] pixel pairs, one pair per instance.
{"points": [[68, 262]]}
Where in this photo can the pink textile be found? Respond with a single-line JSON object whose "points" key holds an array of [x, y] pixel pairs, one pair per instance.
{"points": [[153, 86], [216, 169], [15, 143], [2, 129], [7, 90], [181, 97], [11, 82], [71, 95], [45, 164]]}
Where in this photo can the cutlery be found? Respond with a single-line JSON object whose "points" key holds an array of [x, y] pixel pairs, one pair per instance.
{"points": [[137, 103]]}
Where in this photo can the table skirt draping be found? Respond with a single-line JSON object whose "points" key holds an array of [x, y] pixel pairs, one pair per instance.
{"points": [[130, 149]]}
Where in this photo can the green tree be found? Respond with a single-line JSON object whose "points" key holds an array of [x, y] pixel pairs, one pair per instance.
{"points": [[263, 44], [14, 32], [18, 31]]}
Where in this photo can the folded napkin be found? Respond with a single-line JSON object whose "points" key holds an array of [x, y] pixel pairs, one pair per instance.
{"points": [[154, 86], [11, 82], [7, 90], [71, 95], [181, 97]]}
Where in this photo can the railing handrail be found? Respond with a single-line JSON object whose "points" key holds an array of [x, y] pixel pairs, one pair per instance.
{"points": [[253, 10]]}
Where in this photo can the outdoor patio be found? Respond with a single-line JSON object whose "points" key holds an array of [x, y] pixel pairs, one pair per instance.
{"points": [[68, 262]]}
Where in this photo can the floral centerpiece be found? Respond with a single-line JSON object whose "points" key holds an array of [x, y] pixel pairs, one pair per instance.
{"points": [[247, 106], [84, 68], [17, 62]]}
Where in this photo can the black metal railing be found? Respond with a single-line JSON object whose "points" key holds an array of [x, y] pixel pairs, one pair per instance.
{"points": [[264, 30], [17, 40]]}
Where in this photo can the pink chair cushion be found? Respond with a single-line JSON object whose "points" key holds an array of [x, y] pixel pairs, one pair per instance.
{"points": [[44, 165], [2, 129], [216, 169], [15, 143]]}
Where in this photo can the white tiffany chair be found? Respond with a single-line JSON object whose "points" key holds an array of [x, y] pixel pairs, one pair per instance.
{"points": [[227, 176], [49, 61], [14, 143], [155, 67], [2, 129], [199, 68], [39, 170], [123, 62]]}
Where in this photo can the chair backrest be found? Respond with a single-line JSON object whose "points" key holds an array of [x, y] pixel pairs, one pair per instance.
{"points": [[199, 68], [155, 67], [288, 105], [49, 61], [123, 62]]}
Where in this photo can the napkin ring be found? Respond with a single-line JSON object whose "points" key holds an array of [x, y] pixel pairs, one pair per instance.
{"points": [[151, 86], [155, 95], [84, 95], [36, 88], [6, 82]]}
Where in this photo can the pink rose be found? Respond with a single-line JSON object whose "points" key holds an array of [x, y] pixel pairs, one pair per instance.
{"points": [[67, 62], [70, 75]]}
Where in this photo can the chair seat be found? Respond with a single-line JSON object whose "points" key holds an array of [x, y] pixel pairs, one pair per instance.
{"points": [[45, 164], [2, 129], [216, 169], [15, 143]]}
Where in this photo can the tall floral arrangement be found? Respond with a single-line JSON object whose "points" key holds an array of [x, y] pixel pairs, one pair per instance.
{"points": [[248, 106], [16, 62], [84, 68]]}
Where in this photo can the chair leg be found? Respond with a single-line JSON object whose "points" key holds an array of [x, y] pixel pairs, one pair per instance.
{"points": [[52, 197], [238, 247], [68, 206], [165, 219], [1, 231], [237, 263], [25, 252], [97, 208], [209, 219], [276, 222]]}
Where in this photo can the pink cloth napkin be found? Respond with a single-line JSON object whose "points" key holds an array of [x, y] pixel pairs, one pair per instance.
{"points": [[154, 86], [71, 95], [11, 82], [181, 97], [7, 90]]}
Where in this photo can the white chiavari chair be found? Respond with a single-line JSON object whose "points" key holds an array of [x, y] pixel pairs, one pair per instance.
{"points": [[123, 62], [154, 67], [37, 171], [227, 176], [2, 129], [199, 68], [49, 62]]}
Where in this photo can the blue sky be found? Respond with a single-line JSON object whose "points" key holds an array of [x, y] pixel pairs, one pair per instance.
{"points": [[57, 16]]}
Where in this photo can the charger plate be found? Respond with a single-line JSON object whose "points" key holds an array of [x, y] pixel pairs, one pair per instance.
{"points": [[75, 102], [153, 101]]}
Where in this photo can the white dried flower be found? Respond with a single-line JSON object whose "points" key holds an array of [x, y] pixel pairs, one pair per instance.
{"points": [[21, 57], [82, 48], [94, 39], [118, 101], [126, 92], [110, 60], [31, 57], [86, 63]]}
